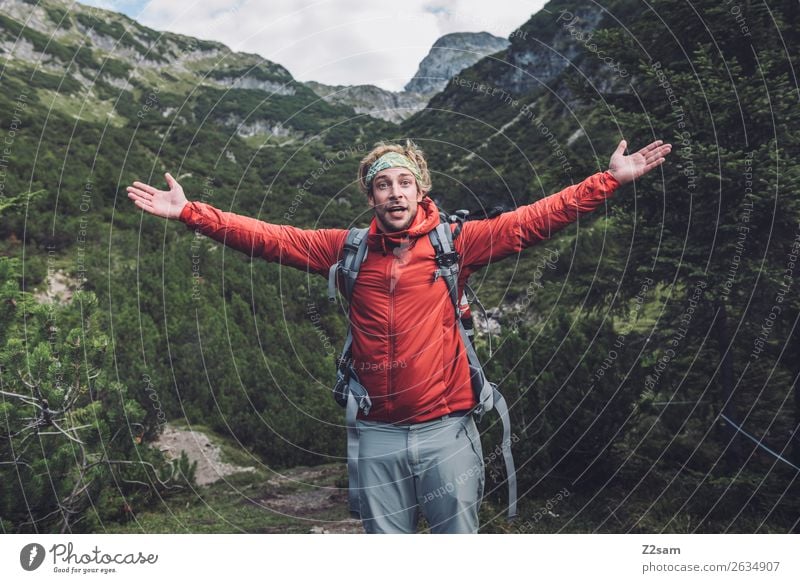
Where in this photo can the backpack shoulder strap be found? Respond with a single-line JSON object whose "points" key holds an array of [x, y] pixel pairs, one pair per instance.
{"points": [[447, 259], [487, 395], [447, 267], [348, 391], [353, 255]]}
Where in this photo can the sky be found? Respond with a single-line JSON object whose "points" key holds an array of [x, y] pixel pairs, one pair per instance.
{"points": [[337, 42]]}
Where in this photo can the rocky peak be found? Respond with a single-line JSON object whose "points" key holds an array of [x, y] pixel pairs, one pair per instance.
{"points": [[393, 106], [546, 45], [447, 57], [451, 54]]}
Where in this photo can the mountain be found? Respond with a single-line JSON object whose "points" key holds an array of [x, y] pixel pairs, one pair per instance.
{"points": [[103, 66], [393, 106], [521, 100], [97, 60], [449, 55]]}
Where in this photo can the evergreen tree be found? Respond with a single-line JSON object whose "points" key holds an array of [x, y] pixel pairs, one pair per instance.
{"points": [[71, 439]]}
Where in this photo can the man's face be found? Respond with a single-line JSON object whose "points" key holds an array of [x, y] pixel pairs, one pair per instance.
{"points": [[394, 197]]}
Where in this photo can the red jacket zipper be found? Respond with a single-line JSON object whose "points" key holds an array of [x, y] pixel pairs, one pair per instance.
{"points": [[389, 379]]}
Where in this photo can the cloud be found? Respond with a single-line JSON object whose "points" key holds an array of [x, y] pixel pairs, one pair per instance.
{"points": [[338, 42], [499, 18]]}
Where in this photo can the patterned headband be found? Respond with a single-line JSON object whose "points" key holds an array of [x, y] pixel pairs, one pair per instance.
{"points": [[392, 160]]}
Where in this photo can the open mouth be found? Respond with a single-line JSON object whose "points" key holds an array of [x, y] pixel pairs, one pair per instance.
{"points": [[396, 212]]}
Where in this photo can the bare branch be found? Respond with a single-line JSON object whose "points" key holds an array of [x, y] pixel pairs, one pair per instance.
{"points": [[16, 463], [67, 434], [143, 463], [27, 400]]}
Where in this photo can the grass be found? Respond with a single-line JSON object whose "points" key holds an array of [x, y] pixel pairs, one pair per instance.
{"points": [[91, 109], [239, 504], [223, 507]]}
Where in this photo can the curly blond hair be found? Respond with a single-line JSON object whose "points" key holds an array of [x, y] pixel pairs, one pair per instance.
{"points": [[410, 150]]}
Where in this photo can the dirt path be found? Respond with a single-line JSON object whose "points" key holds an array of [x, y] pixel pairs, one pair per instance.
{"points": [[199, 448], [58, 288], [311, 495]]}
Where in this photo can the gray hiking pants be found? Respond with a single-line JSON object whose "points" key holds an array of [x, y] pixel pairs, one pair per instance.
{"points": [[434, 468]]}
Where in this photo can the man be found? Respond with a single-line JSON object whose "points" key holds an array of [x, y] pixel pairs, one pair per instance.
{"points": [[419, 447]]}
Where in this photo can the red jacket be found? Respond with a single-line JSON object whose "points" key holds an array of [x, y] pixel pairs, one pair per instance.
{"points": [[407, 349]]}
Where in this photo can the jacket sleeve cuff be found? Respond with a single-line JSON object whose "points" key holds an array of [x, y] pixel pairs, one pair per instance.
{"points": [[611, 183], [188, 214]]}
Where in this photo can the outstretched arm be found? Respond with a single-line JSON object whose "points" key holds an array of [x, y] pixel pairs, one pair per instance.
{"points": [[309, 250], [482, 242]]}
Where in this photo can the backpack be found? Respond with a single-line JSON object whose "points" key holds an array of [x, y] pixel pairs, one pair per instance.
{"points": [[353, 396]]}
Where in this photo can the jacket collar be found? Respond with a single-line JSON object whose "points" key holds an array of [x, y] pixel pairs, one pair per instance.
{"points": [[426, 219]]}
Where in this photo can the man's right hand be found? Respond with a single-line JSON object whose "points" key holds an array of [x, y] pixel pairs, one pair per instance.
{"points": [[161, 203]]}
